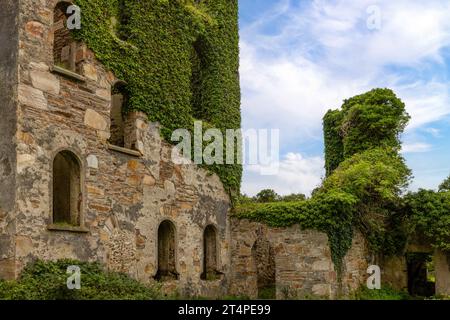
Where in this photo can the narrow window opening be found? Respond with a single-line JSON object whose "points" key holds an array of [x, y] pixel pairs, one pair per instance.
{"points": [[166, 252], [67, 196], [122, 28], [64, 46], [197, 73], [210, 263], [119, 100]]}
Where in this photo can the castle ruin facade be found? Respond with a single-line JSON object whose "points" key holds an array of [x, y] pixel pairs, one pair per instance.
{"points": [[81, 179]]}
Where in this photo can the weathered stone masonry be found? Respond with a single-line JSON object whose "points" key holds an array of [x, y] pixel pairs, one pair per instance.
{"points": [[126, 191], [302, 262], [126, 194], [8, 97], [303, 266], [125, 203]]}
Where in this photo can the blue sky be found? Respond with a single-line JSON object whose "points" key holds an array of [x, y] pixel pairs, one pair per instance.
{"points": [[300, 58]]}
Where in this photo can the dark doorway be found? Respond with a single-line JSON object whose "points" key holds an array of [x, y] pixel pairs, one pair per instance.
{"points": [[264, 258], [421, 275]]}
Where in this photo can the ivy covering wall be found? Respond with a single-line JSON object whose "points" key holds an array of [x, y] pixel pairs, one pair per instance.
{"points": [[179, 58]]}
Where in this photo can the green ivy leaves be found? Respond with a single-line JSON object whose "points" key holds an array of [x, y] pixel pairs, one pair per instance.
{"points": [[151, 50]]}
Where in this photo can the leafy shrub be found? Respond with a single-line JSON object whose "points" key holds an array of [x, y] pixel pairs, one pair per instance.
{"points": [[445, 185], [47, 280]]}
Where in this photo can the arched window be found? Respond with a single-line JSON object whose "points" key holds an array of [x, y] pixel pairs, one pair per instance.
{"points": [[166, 252], [119, 99], [67, 195], [64, 47], [210, 254], [123, 24]]}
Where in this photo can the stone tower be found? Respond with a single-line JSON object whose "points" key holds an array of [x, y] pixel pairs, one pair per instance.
{"points": [[81, 180]]}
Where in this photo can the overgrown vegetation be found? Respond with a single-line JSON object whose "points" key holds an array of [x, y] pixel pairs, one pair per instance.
{"points": [[428, 214], [179, 58], [365, 185], [48, 281], [370, 120]]}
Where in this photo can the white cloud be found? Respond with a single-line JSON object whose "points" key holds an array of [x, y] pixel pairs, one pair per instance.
{"points": [[416, 147], [322, 52], [436, 133], [296, 174]]}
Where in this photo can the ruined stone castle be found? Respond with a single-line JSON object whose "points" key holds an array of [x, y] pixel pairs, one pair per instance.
{"points": [[80, 180]]}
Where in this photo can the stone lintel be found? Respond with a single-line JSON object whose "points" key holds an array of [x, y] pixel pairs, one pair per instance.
{"points": [[67, 228], [130, 152], [68, 73]]}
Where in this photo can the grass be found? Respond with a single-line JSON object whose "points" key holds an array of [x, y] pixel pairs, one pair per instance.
{"points": [[267, 293], [386, 293]]}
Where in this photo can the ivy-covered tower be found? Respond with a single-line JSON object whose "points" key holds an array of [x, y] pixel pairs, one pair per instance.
{"points": [[86, 118], [373, 119]]}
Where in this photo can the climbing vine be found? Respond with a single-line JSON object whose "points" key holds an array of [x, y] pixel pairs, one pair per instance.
{"points": [[157, 47], [334, 149]]}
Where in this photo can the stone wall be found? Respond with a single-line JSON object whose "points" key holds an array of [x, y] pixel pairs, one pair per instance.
{"points": [[442, 270], [126, 194], [303, 265], [8, 100]]}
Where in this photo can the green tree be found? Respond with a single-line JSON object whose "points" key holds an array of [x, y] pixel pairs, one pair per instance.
{"points": [[293, 197], [243, 198], [445, 186], [267, 195], [429, 214]]}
